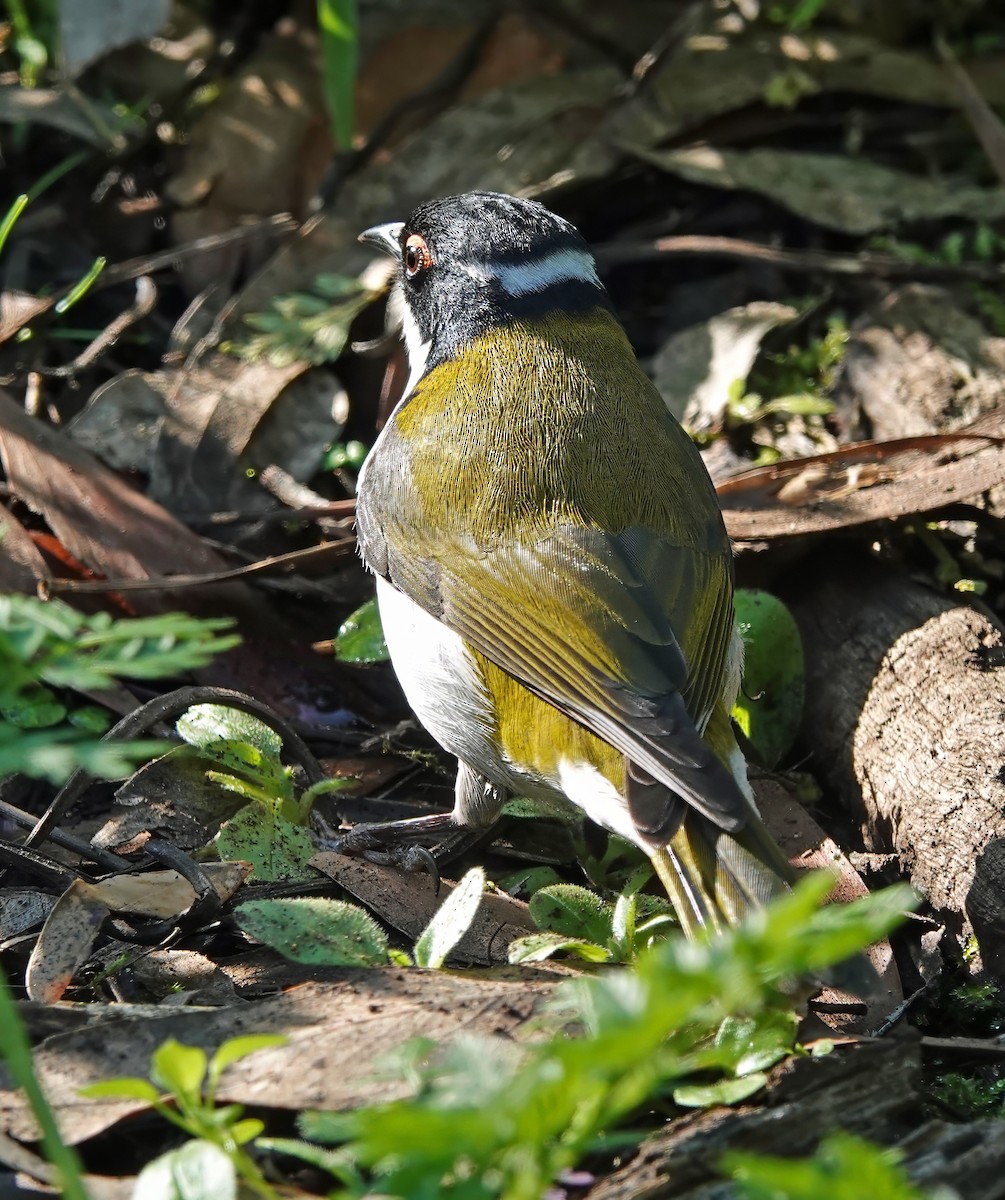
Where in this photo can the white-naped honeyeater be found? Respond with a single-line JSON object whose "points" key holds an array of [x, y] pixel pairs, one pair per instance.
{"points": [[554, 577]]}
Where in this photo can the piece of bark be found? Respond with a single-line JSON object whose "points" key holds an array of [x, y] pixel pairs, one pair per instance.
{"points": [[904, 722], [870, 1089], [335, 1030], [918, 363]]}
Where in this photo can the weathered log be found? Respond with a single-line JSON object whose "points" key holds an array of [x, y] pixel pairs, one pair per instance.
{"points": [[871, 1089], [905, 724]]}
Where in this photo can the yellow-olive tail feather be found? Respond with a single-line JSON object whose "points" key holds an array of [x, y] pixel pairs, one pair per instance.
{"points": [[714, 878]]}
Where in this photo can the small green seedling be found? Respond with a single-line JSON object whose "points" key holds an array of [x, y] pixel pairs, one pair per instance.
{"points": [[182, 1088]]}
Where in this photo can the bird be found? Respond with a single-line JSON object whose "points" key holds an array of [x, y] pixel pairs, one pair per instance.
{"points": [[553, 574]]}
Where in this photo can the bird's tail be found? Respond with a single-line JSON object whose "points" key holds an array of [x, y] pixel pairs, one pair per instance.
{"points": [[714, 878]]}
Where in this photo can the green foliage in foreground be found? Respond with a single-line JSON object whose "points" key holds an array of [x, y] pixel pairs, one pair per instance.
{"points": [[492, 1120], [215, 1159], [843, 1168], [48, 644], [489, 1121]]}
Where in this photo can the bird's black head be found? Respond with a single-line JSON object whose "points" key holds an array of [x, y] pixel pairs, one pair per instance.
{"points": [[469, 263]]}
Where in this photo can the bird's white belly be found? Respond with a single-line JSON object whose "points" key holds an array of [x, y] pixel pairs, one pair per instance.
{"points": [[441, 682], [444, 686]]}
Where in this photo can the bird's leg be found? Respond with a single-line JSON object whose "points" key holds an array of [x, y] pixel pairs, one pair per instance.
{"points": [[477, 804]]}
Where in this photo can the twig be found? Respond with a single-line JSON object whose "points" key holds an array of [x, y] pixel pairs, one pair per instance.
{"points": [[104, 858], [146, 298], [163, 708], [331, 510], [982, 117], [965, 1046], [341, 549], [144, 264], [799, 260]]}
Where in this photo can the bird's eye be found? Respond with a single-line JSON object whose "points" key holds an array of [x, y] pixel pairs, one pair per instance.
{"points": [[417, 255]]}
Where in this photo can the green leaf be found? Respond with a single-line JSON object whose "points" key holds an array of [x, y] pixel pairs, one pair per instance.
{"points": [[335, 1162], [801, 404], [744, 1045], [770, 705], [248, 770], [54, 754], [307, 930], [536, 947], [180, 1069], [34, 708], [726, 1091], [206, 726], [339, 38], [89, 718], [573, 911], [242, 1132], [196, 1171], [528, 880], [69, 649], [360, 638], [451, 921], [276, 848], [843, 1168], [125, 1088]]}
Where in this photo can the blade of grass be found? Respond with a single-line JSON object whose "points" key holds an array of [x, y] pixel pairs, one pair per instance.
{"points": [[337, 20], [16, 1051]]}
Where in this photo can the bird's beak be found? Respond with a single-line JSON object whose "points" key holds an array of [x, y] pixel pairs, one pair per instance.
{"points": [[384, 237]]}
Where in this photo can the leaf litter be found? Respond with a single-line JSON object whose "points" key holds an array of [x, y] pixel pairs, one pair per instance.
{"points": [[712, 138]]}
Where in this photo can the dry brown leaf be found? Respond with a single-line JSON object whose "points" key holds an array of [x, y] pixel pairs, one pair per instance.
{"points": [[852, 195], [696, 368], [714, 72], [862, 482], [246, 154], [335, 1031], [18, 309], [75, 920], [22, 567], [101, 520], [65, 942], [21, 910]]}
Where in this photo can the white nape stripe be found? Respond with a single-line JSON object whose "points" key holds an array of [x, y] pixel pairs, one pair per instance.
{"points": [[518, 279]]}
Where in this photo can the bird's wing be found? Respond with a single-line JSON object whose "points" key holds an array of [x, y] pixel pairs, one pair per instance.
{"points": [[593, 622]]}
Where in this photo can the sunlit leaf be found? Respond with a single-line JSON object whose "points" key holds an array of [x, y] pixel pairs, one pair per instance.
{"points": [[308, 930], [360, 638]]}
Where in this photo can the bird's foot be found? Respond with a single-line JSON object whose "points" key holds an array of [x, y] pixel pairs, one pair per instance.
{"points": [[394, 843], [378, 844]]}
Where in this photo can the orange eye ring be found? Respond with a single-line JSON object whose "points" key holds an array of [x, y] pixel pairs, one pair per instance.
{"points": [[416, 255]]}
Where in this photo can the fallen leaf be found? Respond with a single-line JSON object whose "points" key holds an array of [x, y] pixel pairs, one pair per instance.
{"points": [[76, 918], [695, 369], [712, 73], [332, 1030], [861, 482], [852, 195], [103, 522], [89, 29]]}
